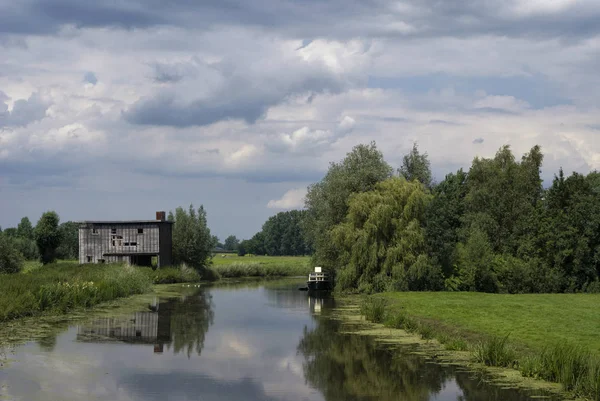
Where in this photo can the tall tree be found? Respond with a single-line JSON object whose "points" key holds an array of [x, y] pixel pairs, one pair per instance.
{"points": [[47, 236], [25, 229], [69, 244], [11, 260], [192, 241], [231, 243], [416, 166], [444, 220], [382, 240], [327, 201]]}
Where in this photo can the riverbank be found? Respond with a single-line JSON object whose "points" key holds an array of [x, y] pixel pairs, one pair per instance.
{"points": [[543, 336]]}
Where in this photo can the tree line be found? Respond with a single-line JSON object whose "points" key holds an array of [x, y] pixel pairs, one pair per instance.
{"points": [[493, 228], [47, 241], [281, 235]]}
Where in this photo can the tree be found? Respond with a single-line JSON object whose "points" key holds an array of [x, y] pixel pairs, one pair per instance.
{"points": [[416, 166], [444, 220], [192, 242], [25, 229], [11, 260], [69, 244], [217, 243], [231, 243], [327, 201], [382, 240], [47, 236], [283, 234]]}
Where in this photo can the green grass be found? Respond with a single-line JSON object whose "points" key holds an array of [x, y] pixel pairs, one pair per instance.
{"points": [[218, 260], [547, 336], [533, 320], [233, 266], [62, 287]]}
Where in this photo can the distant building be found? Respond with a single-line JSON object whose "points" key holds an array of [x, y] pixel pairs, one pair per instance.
{"points": [[132, 242]]}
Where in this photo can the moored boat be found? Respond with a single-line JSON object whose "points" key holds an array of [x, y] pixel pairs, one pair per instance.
{"points": [[319, 280]]}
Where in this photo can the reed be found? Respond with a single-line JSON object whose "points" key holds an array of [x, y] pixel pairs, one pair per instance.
{"points": [[257, 269], [61, 287], [495, 351], [373, 309]]}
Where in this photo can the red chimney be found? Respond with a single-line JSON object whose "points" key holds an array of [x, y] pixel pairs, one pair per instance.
{"points": [[161, 216]]}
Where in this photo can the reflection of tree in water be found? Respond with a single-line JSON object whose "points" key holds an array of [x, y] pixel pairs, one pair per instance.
{"points": [[190, 319], [48, 343], [350, 367]]}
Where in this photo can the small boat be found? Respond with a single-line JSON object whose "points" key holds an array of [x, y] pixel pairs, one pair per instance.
{"points": [[319, 280]]}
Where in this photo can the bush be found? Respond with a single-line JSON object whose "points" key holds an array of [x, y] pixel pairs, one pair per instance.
{"points": [[11, 260], [170, 275], [27, 248]]}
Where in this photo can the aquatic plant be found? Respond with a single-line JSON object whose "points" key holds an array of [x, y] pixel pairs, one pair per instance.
{"points": [[495, 351]]}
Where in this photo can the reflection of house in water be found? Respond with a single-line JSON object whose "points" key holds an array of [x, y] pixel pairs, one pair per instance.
{"points": [[139, 328]]}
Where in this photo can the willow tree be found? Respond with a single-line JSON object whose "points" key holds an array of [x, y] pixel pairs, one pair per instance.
{"points": [[381, 243], [327, 201]]}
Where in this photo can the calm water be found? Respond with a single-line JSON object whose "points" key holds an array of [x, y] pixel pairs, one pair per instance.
{"points": [[237, 342]]}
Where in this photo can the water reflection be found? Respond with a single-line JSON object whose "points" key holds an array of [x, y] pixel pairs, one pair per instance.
{"points": [[347, 367], [177, 323], [247, 341]]}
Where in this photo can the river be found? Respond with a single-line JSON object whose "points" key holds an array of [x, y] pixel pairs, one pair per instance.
{"points": [[246, 342]]}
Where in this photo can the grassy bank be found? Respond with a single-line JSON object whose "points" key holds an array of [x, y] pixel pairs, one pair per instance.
{"points": [[548, 336], [232, 266], [61, 287]]}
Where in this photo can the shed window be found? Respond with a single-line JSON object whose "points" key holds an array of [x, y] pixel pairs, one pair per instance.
{"points": [[140, 230], [94, 231], [113, 230], [89, 259]]}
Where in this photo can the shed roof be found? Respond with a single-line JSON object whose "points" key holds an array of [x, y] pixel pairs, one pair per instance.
{"points": [[122, 222]]}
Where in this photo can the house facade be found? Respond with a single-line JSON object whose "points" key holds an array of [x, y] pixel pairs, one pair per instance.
{"points": [[133, 242]]}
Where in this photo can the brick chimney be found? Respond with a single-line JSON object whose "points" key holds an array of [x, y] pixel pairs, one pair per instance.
{"points": [[161, 216]]}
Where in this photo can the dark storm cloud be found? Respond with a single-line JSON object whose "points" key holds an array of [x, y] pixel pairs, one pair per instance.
{"points": [[244, 98], [311, 19], [24, 111]]}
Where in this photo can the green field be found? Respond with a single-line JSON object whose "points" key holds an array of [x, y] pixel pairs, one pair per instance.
{"points": [[227, 259], [232, 266], [533, 320]]}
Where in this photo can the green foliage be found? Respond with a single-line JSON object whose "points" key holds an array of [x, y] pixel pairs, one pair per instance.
{"points": [[416, 166], [63, 286], [192, 242], [11, 260], [327, 201], [257, 269], [373, 308], [475, 264], [570, 365], [495, 351], [382, 242], [170, 275], [69, 243], [47, 236], [27, 247], [25, 229], [231, 243]]}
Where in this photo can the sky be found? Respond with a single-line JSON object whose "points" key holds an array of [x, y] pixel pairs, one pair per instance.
{"points": [[114, 110]]}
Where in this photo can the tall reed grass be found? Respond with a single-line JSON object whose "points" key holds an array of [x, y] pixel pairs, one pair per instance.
{"points": [[63, 286], [257, 269]]}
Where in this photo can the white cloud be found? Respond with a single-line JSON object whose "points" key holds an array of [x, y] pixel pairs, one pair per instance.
{"points": [[292, 199]]}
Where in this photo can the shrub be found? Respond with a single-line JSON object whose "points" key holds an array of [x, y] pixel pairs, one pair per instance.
{"points": [[11, 260], [47, 236]]}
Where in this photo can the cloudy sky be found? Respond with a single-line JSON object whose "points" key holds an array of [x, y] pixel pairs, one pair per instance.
{"points": [[113, 110]]}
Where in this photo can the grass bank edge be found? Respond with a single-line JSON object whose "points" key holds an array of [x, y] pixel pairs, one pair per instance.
{"points": [[576, 368]]}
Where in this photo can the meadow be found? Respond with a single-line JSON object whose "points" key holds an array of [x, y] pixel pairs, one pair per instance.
{"points": [[233, 266], [548, 336]]}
